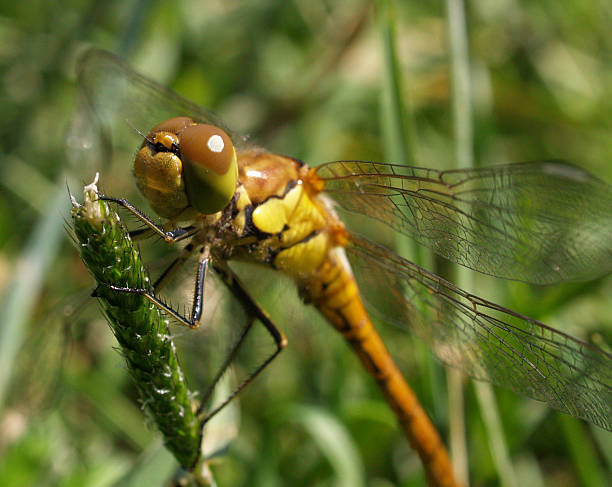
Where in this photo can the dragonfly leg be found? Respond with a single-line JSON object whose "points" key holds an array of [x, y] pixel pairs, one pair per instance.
{"points": [[255, 312], [198, 297], [170, 236]]}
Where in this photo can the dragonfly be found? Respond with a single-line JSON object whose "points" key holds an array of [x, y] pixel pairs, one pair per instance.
{"points": [[541, 222]]}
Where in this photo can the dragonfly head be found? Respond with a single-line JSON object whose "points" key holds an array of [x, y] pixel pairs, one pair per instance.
{"points": [[186, 164]]}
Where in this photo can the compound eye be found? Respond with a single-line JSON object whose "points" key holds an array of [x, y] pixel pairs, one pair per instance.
{"points": [[210, 167], [208, 147]]}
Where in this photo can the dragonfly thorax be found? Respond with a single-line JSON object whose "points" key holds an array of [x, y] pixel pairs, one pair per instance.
{"points": [[183, 166]]}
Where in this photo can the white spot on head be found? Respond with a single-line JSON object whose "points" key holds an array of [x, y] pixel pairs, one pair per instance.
{"points": [[215, 143]]}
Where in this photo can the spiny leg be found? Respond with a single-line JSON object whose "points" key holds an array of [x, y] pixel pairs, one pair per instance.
{"points": [[170, 236], [198, 297], [254, 311]]}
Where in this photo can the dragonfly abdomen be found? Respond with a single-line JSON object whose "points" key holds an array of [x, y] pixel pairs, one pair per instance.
{"points": [[335, 293]]}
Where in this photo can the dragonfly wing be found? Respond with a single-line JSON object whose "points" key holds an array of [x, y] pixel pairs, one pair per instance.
{"points": [[485, 340], [539, 222], [114, 100]]}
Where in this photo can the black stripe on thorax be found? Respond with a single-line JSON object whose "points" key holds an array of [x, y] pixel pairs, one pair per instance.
{"points": [[290, 185], [275, 252]]}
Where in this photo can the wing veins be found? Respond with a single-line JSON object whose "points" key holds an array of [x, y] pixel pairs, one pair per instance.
{"points": [[566, 372]]}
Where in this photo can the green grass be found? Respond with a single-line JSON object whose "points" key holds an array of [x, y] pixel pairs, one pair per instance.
{"points": [[305, 79]]}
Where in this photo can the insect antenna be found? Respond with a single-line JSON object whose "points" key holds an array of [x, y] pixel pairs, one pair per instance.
{"points": [[139, 132]]}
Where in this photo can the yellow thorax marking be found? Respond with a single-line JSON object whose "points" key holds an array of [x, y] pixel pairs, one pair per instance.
{"points": [[294, 217], [273, 215], [303, 259]]}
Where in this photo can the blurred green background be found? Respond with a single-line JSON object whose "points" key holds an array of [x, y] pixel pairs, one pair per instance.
{"points": [[320, 81]]}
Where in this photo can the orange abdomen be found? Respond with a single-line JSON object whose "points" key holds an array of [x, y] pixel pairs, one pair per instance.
{"points": [[335, 293]]}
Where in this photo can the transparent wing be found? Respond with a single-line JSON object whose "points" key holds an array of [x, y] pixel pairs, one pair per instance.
{"points": [[37, 381], [485, 340], [114, 100], [539, 222]]}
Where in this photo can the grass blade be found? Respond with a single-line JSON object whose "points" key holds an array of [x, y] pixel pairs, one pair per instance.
{"points": [[464, 158], [35, 261]]}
